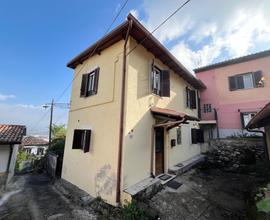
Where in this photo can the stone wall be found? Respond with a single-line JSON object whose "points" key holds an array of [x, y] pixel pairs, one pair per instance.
{"points": [[235, 154]]}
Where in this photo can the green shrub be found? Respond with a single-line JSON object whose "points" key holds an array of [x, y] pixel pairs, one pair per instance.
{"points": [[132, 212]]}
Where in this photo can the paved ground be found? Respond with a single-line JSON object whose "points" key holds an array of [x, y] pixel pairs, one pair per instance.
{"points": [[34, 197], [205, 195]]}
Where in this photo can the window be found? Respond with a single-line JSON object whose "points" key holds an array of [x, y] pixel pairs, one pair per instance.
{"points": [[178, 136], [191, 98], [160, 81], [246, 117], [89, 84], [81, 140], [246, 81], [156, 80], [197, 136], [207, 108]]}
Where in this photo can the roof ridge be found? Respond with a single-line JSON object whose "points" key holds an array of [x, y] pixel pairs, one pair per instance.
{"points": [[235, 60]]}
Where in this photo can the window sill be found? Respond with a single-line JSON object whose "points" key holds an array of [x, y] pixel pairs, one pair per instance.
{"points": [[246, 89]]}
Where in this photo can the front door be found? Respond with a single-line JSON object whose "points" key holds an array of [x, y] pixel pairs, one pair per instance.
{"points": [[159, 150]]}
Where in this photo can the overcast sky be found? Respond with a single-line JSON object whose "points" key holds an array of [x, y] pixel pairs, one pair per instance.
{"points": [[38, 38]]}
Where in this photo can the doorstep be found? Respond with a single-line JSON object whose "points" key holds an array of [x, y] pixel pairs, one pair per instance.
{"points": [[142, 185], [186, 165]]}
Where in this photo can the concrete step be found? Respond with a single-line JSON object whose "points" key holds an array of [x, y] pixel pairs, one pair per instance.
{"points": [[183, 167]]}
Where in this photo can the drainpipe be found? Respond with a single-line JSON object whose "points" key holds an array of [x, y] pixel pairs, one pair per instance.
{"points": [[121, 132], [264, 142], [216, 118]]}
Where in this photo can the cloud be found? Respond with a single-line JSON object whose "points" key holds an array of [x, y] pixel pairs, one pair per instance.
{"points": [[5, 97], [33, 116], [200, 34]]}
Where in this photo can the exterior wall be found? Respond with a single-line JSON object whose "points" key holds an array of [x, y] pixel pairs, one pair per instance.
{"points": [[228, 103], [4, 157], [95, 171], [139, 121], [34, 149], [11, 170]]}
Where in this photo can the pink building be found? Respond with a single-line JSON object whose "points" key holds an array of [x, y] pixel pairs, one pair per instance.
{"points": [[236, 90]]}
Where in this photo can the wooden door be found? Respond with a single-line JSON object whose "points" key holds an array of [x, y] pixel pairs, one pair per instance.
{"points": [[159, 150]]}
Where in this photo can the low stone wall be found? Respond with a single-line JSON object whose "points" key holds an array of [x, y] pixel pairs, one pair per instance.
{"points": [[234, 154]]}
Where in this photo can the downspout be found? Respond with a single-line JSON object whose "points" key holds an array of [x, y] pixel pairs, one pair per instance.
{"points": [[216, 118], [122, 108], [264, 141]]}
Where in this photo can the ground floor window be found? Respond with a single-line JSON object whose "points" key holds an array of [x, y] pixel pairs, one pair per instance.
{"points": [[246, 117], [81, 140], [179, 136]]}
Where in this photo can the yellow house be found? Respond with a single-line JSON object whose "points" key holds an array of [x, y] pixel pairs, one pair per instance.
{"points": [[133, 116]]}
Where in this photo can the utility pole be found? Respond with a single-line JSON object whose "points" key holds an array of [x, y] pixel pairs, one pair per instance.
{"points": [[50, 128], [51, 106]]}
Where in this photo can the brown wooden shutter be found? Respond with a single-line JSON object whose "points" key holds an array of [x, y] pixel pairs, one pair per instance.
{"points": [[257, 76], [76, 139], [192, 95], [84, 85], [96, 80], [87, 141], [165, 83], [239, 82], [187, 97], [232, 83], [194, 136]]}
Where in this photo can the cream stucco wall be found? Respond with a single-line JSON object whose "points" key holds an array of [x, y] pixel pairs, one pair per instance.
{"points": [[139, 121], [95, 171]]}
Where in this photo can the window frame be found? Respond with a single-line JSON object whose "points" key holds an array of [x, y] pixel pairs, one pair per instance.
{"points": [[207, 108], [156, 91], [239, 81], [179, 135], [242, 117], [80, 141], [89, 83]]}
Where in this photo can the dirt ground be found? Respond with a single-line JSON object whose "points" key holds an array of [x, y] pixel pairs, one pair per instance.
{"points": [[205, 194], [34, 197], [208, 194]]}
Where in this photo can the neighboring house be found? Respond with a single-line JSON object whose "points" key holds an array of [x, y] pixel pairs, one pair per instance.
{"points": [[34, 145], [10, 138], [262, 120], [133, 113], [236, 90]]}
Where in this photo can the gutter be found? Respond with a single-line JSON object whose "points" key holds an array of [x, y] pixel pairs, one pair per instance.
{"points": [[121, 132], [264, 141]]}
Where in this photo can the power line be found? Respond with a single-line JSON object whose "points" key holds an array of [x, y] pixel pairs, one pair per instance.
{"points": [[69, 85], [108, 29], [162, 23]]}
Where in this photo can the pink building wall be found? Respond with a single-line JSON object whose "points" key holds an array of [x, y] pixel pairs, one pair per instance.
{"points": [[228, 103]]}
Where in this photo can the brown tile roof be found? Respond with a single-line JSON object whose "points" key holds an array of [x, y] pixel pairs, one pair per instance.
{"points": [[139, 33], [261, 119], [234, 61], [34, 141], [12, 134], [172, 114]]}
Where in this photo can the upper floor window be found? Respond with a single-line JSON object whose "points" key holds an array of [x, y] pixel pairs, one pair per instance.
{"points": [[191, 98], [160, 81], [207, 108], [246, 81], [89, 84]]}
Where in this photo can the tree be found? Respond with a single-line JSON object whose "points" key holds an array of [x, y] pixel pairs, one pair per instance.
{"points": [[58, 138]]}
